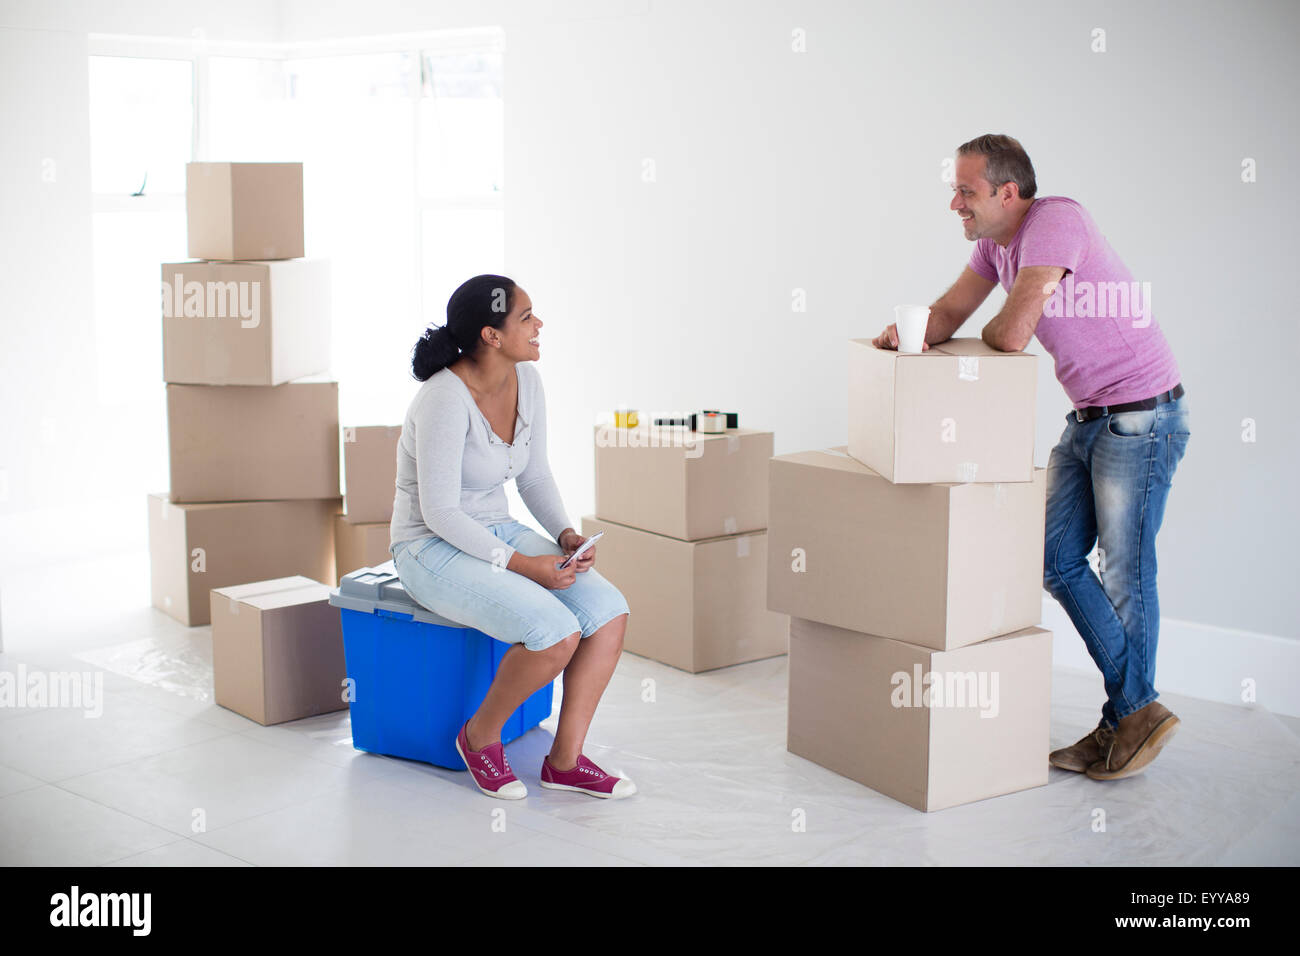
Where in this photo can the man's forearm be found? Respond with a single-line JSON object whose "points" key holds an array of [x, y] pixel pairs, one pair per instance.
{"points": [[942, 326]]}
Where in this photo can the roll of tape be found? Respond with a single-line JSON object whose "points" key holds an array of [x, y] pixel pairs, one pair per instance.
{"points": [[710, 423], [625, 418]]}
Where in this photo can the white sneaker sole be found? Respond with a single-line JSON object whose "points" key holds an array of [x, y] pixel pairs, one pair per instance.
{"points": [[482, 789], [594, 793]]}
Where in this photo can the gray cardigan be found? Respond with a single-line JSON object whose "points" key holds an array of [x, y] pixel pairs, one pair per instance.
{"points": [[452, 468]]}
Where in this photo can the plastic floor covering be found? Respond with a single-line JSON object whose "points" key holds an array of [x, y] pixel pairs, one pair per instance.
{"points": [[165, 777]]}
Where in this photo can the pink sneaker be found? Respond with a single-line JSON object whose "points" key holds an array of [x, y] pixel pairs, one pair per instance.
{"points": [[489, 769], [586, 777]]}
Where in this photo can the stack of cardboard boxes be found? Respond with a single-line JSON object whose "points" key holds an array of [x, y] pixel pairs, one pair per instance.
{"points": [[685, 517], [253, 445], [252, 439], [361, 533], [910, 562]]}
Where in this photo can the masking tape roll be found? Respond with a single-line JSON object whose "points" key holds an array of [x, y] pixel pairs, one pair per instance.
{"points": [[711, 423], [696, 421], [733, 418], [625, 419]]}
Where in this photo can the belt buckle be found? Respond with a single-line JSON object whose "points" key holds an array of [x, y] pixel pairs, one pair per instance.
{"points": [[1079, 416]]}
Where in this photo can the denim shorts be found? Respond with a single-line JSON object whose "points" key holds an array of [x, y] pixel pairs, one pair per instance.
{"points": [[499, 602]]}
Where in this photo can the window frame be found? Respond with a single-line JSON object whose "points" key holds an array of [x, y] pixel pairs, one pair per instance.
{"points": [[198, 50]]}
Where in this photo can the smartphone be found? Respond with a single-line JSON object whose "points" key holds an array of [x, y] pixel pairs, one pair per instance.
{"points": [[581, 548]]}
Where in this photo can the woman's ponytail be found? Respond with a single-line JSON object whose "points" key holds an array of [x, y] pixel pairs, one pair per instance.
{"points": [[481, 301], [433, 353]]}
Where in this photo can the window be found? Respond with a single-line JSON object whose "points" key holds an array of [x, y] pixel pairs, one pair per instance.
{"points": [[141, 136], [462, 165], [141, 123], [402, 142]]}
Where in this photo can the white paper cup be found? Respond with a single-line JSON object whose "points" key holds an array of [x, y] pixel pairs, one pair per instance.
{"points": [[911, 321]]}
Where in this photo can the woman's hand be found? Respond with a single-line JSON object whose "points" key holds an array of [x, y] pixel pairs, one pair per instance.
{"points": [[570, 541], [542, 569]]}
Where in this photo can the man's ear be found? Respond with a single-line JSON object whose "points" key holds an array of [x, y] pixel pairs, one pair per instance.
{"points": [[1010, 192]]}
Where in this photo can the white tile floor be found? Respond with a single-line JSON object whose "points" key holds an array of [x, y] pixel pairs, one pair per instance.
{"points": [[167, 778], [163, 779]]}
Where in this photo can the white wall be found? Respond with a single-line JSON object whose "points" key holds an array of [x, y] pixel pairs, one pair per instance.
{"points": [[821, 171], [62, 484]]}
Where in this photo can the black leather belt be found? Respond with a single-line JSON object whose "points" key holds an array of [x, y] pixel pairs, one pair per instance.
{"points": [[1097, 411]]}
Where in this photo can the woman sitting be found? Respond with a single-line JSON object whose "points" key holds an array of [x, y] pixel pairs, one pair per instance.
{"points": [[478, 421]]}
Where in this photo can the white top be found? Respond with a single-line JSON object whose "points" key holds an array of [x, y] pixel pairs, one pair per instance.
{"points": [[452, 468]]}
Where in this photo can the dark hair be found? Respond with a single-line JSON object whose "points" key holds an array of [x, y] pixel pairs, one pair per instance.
{"points": [[479, 302], [1005, 161]]}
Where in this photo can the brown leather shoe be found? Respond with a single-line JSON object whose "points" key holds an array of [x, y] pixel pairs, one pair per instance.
{"points": [[1079, 757], [1137, 742]]}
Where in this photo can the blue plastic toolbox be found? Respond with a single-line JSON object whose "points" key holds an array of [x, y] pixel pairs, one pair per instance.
{"points": [[417, 677]]}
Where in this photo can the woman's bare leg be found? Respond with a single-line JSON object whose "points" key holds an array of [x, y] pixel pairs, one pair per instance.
{"points": [[521, 674], [585, 679]]}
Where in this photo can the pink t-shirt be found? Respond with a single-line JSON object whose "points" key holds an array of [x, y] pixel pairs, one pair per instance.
{"points": [[1098, 325]]}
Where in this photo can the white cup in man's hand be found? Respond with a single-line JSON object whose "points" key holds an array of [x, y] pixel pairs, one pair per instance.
{"points": [[911, 321]]}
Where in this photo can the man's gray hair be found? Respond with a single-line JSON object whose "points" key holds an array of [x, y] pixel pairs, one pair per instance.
{"points": [[1005, 162]]}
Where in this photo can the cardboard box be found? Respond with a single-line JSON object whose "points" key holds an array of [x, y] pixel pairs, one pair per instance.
{"points": [[941, 565], [359, 545], [253, 442], [370, 472], [960, 412], [245, 323], [194, 548], [277, 650], [244, 210], [929, 728], [695, 605], [681, 483]]}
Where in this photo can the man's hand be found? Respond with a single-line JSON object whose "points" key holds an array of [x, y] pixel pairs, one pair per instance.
{"points": [[888, 339], [946, 315], [570, 541]]}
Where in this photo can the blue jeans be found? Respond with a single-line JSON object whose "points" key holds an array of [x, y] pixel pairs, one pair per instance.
{"points": [[499, 602], [1107, 482]]}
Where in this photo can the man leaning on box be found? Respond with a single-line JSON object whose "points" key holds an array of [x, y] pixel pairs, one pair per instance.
{"points": [[1110, 474]]}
